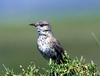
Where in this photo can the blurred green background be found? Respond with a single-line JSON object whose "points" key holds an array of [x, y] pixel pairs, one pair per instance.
{"points": [[72, 23]]}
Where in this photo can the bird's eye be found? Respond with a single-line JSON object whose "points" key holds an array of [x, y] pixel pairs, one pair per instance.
{"points": [[43, 25]]}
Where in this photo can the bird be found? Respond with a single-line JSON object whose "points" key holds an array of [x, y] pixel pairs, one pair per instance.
{"points": [[47, 44]]}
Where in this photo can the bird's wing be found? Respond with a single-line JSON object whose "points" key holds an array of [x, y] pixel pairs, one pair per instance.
{"points": [[59, 50], [57, 46]]}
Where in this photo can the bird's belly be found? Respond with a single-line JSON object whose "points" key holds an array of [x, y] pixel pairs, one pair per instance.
{"points": [[47, 50]]}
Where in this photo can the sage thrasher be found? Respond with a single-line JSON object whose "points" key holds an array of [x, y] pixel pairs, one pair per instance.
{"points": [[47, 43]]}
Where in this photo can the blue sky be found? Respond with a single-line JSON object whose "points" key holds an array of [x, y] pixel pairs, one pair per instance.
{"points": [[22, 8], [52, 5]]}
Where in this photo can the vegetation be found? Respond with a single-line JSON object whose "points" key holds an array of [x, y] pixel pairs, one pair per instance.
{"points": [[71, 67]]}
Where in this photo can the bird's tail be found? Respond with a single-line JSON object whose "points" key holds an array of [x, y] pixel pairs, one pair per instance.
{"points": [[59, 59]]}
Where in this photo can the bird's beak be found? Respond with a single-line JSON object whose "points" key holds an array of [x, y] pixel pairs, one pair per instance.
{"points": [[32, 24]]}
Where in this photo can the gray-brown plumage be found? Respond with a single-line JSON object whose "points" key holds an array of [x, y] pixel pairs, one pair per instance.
{"points": [[47, 43]]}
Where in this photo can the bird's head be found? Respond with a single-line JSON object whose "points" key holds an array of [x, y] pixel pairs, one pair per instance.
{"points": [[42, 26]]}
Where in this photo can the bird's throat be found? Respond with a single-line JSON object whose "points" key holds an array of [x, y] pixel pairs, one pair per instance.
{"points": [[45, 33]]}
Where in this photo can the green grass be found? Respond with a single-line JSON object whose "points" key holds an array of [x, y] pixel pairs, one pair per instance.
{"points": [[71, 67]]}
